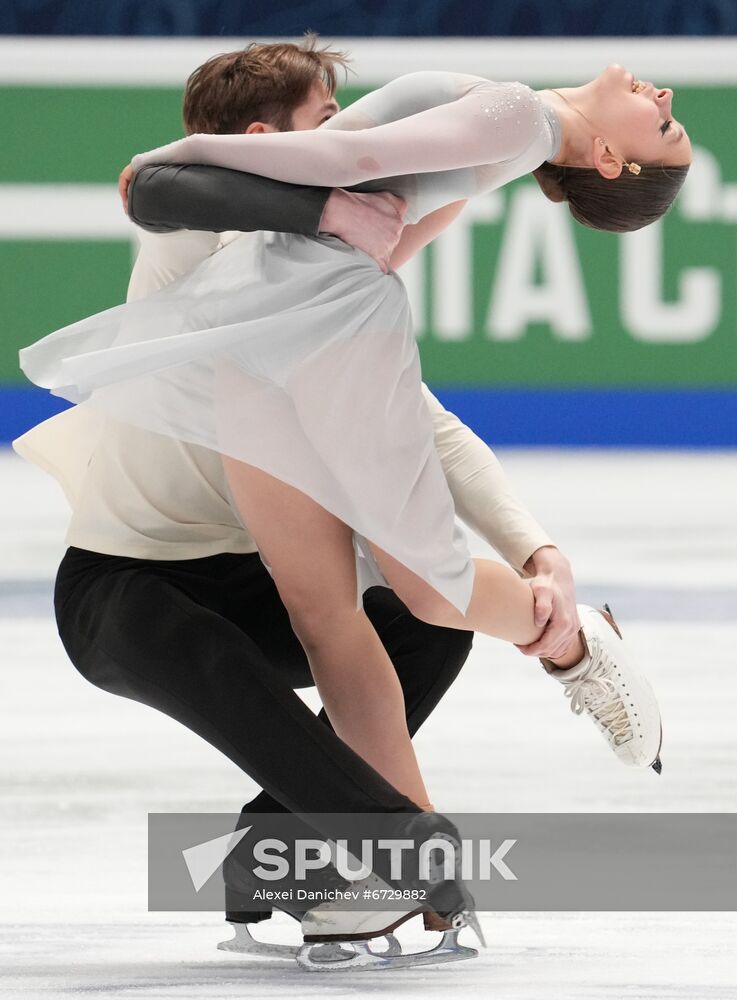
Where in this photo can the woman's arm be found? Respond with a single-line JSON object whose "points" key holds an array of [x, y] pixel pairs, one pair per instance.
{"points": [[407, 95], [488, 123], [417, 236]]}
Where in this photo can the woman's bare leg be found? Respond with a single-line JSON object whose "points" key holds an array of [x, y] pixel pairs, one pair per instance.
{"points": [[501, 605], [310, 554]]}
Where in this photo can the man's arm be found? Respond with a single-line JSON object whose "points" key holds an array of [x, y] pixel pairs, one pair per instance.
{"points": [[211, 199], [168, 199], [485, 502], [481, 492]]}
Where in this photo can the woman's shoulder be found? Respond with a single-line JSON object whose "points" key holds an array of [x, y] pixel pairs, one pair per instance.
{"points": [[427, 88], [430, 80]]}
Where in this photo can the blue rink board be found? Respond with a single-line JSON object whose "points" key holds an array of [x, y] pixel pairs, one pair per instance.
{"points": [[629, 418]]}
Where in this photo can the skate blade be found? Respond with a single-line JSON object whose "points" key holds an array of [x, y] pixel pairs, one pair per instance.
{"points": [[657, 764], [358, 955], [471, 920], [243, 943]]}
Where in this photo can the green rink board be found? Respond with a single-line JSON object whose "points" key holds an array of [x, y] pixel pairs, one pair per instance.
{"points": [[518, 315]]}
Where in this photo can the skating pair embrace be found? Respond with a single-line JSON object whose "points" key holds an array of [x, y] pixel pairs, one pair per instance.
{"points": [[293, 357]]}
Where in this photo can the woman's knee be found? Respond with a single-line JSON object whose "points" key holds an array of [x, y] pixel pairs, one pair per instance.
{"points": [[314, 613]]}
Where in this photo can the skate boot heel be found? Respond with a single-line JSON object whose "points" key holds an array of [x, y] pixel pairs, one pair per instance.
{"points": [[434, 922], [239, 908], [239, 916]]}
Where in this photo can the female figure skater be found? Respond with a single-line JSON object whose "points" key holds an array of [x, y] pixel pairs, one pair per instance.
{"points": [[307, 380]]}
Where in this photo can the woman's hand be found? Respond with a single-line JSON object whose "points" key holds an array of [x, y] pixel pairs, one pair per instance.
{"points": [[124, 182], [555, 603]]}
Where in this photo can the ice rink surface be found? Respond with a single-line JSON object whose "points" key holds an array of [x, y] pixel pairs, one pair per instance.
{"points": [[655, 534]]}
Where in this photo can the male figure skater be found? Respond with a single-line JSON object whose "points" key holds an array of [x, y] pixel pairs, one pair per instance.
{"points": [[161, 596]]}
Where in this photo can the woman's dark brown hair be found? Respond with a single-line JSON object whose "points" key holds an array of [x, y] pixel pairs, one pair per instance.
{"points": [[622, 205], [264, 82]]}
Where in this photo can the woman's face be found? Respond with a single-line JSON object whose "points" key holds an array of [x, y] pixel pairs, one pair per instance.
{"points": [[638, 126]]}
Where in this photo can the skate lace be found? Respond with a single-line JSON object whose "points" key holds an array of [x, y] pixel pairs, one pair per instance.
{"points": [[595, 692]]}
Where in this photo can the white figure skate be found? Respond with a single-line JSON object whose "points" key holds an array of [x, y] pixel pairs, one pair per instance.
{"points": [[613, 692]]}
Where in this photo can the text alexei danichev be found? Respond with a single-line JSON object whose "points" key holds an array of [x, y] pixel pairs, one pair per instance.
{"points": [[313, 895], [274, 895]]}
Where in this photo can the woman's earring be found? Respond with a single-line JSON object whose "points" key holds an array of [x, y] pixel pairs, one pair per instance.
{"points": [[634, 168]]}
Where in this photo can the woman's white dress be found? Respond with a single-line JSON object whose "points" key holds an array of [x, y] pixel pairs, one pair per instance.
{"points": [[296, 354]]}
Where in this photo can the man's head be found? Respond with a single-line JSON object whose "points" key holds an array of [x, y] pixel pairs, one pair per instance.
{"points": [[263, 88]]}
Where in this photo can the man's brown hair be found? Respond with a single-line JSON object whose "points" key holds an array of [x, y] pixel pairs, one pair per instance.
{"points": [[265, 82]]}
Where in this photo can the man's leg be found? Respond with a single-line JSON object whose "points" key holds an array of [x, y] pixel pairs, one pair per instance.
{"points": [[145, 631], [427, 658]]}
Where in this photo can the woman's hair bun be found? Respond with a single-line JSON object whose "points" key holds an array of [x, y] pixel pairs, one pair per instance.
{"points": [[550, 178], [623, 204]]}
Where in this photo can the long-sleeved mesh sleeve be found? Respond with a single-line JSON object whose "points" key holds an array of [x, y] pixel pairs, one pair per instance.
{"points": [[479, 123]]}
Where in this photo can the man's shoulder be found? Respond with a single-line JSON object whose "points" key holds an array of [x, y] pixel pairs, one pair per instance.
{"points": [[185, 242], [175, 241], [164, 257]]}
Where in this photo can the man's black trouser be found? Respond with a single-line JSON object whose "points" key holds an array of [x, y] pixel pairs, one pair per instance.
{"points": [[209, 643]]}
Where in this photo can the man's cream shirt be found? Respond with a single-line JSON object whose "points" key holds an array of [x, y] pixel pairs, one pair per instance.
{"points": [[148, 496]]}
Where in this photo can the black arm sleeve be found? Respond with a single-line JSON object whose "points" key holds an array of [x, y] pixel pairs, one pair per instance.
{"points": [[213, 199]]}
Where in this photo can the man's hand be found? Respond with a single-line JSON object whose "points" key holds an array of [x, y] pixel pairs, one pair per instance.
{"points": [[124, 182], [371, 222], [555, 603]]}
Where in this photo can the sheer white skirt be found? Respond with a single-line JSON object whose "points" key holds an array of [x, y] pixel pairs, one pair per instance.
{"points": [[297, 356]]}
